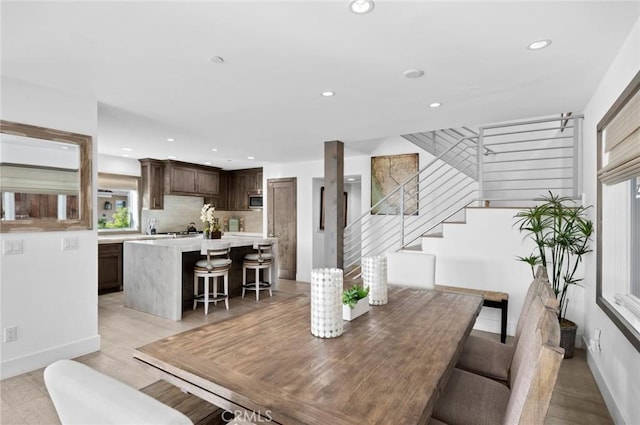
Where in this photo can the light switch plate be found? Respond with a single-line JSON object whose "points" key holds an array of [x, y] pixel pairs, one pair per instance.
{"points": [[11, 247], [69, 244]]}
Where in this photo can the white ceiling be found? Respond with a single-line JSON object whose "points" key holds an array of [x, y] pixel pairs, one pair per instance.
{"points": [[148, 64]]}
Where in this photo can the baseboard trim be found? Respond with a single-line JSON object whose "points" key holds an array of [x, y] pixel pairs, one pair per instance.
{"points": [[609, 401], [37, 360]]}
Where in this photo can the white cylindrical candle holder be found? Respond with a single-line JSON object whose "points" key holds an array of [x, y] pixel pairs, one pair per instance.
{"points": [[326, 303], [374, 277]]}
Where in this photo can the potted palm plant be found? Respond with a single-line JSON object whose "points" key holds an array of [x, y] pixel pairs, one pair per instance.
{"points": [[561, 232]]}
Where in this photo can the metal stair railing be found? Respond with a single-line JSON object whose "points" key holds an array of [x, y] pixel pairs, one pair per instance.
{"points": [[501, 163], [529, 158], [422, 202]]}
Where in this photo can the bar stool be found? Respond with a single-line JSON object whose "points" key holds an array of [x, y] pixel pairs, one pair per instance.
{"points": [[257, 261], [216, 265]]}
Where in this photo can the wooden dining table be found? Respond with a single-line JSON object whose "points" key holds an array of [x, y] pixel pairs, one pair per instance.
{"points": [[388, 367]]}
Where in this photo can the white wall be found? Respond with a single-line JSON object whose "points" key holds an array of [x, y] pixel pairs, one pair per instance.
{"points": [[49, 294], [481, 254], [118, 165], [306, 171], [616, 368]]}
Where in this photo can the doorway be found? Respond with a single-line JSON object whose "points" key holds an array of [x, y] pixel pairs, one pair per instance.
{"points": [[282, 223]]}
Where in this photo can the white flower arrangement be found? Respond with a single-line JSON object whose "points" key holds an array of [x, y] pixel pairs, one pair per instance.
{"points": [[206, 215]]}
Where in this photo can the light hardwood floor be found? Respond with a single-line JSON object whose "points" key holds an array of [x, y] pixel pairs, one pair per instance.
{"points": [[576, 399]]}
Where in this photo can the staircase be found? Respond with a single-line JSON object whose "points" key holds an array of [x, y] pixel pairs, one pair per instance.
{"points": [[496, 165]]}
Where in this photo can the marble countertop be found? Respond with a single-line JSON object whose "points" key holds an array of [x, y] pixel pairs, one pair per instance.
{"points": [[104, 239], [194, 243]]}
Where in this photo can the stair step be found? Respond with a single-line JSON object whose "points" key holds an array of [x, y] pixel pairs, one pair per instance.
{"points": [[455, 222], [433, 235], [413, 248]]}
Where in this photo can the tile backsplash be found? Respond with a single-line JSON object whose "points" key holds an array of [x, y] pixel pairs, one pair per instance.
{"points": [[179, 211]]}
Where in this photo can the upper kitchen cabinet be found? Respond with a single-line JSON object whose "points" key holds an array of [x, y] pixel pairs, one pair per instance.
{"points": [[237, 198], [256, 180], [240, 184], [152, 171], [190, 179], [219, 201]]}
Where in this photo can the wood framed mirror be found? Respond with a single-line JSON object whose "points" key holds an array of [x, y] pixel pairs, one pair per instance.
{"points": [[45, 179]]}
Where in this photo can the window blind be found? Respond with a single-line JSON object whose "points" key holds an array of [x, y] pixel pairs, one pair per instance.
{"points": [[622, 143], [41, 180], [117, 182]]}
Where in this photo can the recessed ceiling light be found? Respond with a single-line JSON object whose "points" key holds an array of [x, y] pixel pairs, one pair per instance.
{"points": [[171, 157], [214, 150], [435, 105], [169, 139], [65, 147], [207, 163], [251, 157], [127, 149], [217, 59], [125, 155], [361, 6], [539, 44], [327, 93], [351, 179], [413, 73]]}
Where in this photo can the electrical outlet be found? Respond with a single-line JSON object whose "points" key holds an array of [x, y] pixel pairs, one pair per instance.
{"points": [[10, 334], [594, 343]]}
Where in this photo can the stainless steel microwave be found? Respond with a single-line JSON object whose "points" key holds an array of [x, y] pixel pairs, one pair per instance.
{"points": [[255, 200]]}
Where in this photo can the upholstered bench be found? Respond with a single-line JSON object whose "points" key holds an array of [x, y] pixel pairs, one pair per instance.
{"points": [[491, 299]]}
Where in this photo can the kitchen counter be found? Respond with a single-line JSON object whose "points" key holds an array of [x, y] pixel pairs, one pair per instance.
{"points": [[194, 243], [158, 273], [120, 238]]}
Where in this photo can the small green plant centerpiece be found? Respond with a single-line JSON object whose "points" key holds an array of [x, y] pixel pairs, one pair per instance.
{"points": [[561, 232], [354, 302]]}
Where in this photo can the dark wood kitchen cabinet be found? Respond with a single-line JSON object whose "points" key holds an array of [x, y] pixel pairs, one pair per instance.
{"points": [[220, 201], [254, 180], [109, 267], [237, 198], [152, 173], [240, 183], [190, 179]]}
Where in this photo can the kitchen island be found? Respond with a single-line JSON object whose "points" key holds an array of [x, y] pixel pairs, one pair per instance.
{"points": [[158, 274]]}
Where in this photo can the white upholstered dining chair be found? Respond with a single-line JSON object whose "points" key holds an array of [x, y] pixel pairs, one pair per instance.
{"points": [[83, 396]]}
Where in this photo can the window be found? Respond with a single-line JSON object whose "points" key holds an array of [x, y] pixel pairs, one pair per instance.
{"points": [[618, 213], [118, 203], [635, 237]]}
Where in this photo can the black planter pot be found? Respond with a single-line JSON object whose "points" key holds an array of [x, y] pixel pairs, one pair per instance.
{"points": [[568, 331]]}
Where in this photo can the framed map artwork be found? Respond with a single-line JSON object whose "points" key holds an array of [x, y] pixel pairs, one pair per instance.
{"points": [[387, 172]]}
